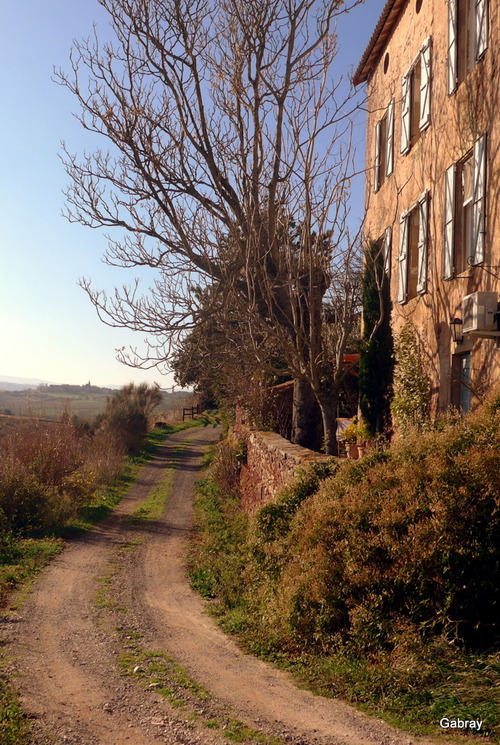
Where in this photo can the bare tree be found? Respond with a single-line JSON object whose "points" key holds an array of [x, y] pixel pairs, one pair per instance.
{"points": [[229, 164]]}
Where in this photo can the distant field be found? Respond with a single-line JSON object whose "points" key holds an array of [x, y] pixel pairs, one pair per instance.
{"points": [[41, 404]]}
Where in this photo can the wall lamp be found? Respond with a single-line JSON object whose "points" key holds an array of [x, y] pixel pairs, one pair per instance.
{"points": [[457, 334]]}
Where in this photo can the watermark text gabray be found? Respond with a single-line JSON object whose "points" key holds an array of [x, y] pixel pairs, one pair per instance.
{"points": [[472, 724]]}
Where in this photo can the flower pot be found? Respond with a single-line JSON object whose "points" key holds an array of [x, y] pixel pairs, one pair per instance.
{"points": [[352, 450]]}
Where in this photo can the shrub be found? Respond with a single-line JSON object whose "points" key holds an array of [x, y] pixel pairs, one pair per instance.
{"points": [[412, 387], [126, 418], [390, 550], [49, 471]]}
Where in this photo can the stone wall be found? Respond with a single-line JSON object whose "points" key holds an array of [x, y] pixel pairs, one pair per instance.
{"points": [[271, 463]]}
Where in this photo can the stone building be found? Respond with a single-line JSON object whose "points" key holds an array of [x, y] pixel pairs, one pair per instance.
{"points": [[432, 70]]}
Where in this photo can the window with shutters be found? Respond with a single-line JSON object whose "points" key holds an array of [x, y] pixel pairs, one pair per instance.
{"points": [[464, 221], [467, 38], [416, 98], [413, 251], [463, 213], [384, 147], [385, 245]]}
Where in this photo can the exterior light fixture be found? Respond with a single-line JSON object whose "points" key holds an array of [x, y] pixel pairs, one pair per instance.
{"points": [[456, 330]]}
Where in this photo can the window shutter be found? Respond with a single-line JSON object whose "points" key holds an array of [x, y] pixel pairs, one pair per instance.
{"points": [[390, 139], [452, 46], [425, 85], [422, 244], [405, 114], [478, 224], [376, 170], [403, 258], [449, 222], [481, 30], [387, 250]]}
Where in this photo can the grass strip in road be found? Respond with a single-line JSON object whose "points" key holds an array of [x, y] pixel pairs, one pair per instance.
{"points": [[152, 508], [159, 672]]}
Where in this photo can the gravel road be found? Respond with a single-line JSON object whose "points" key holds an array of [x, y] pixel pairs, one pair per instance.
{"points": [[92, 643]]}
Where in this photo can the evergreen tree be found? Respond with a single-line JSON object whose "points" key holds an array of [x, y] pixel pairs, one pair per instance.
{"points": [[376, 363]]}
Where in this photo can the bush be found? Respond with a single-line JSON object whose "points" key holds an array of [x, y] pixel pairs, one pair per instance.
{"points": [[126, 418], [395, 551], [49, 471]]}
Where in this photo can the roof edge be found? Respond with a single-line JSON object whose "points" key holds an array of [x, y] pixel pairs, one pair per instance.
{"points": [[378, 40]]}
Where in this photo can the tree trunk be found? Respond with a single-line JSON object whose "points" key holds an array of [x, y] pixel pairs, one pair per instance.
{"points": [[306, 416], [328, 403]]}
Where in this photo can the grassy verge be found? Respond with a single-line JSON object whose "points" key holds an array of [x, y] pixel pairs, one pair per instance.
{"points": [[412, 686], [22, 560]]}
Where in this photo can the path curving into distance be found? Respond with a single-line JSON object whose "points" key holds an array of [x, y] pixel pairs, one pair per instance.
{"points": [[122, 589]]}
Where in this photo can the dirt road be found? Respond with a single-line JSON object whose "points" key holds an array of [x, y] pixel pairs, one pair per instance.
{"points": [[113, 648]]}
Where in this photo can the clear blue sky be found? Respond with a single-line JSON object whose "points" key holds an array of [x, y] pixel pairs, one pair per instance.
{"points": [[48, 328]]}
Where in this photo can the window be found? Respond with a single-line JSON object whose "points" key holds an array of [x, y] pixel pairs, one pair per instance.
{"points": [[464, 211], [416, 98], [384, 147], [387, 250], [461, 379], [467, 38], [413, 251]]}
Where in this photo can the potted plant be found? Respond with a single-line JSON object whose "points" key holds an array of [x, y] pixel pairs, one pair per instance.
{"points": [[356, 437]]}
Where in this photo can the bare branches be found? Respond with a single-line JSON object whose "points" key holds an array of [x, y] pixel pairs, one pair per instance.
{"points": [[228, 165]]}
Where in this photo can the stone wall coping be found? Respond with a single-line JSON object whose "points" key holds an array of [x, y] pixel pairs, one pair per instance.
{"points": [[293, 452]]}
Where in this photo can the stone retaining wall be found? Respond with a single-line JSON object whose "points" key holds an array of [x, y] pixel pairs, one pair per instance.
{"points": [[271, 463]]}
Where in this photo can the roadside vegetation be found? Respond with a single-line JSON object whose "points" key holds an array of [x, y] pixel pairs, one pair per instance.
{"points": [[373, 580], [57, 479]]}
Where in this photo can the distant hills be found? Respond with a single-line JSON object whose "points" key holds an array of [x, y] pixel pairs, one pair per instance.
{"points": [[10, 383]]}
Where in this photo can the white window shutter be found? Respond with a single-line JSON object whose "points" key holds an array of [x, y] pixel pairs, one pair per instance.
{"points": [[387, 250], [452, 46], [376, 167], [422, 244], [449, 221], [481, 30], [390, 139], [425, 85], [403, 258], [405, 113], [478, 219]]}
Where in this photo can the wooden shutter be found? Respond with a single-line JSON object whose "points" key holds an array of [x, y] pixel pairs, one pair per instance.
{"points": [[405, 113], [387, 250], [376, 168], [449, 221], [478, 213], [452, 46], [403, 258], [425, 85], [481, 29], [422, 244], [389, 157]]}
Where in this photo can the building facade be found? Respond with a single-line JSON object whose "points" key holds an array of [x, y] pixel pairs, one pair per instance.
{"points": [[432, 70]]}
